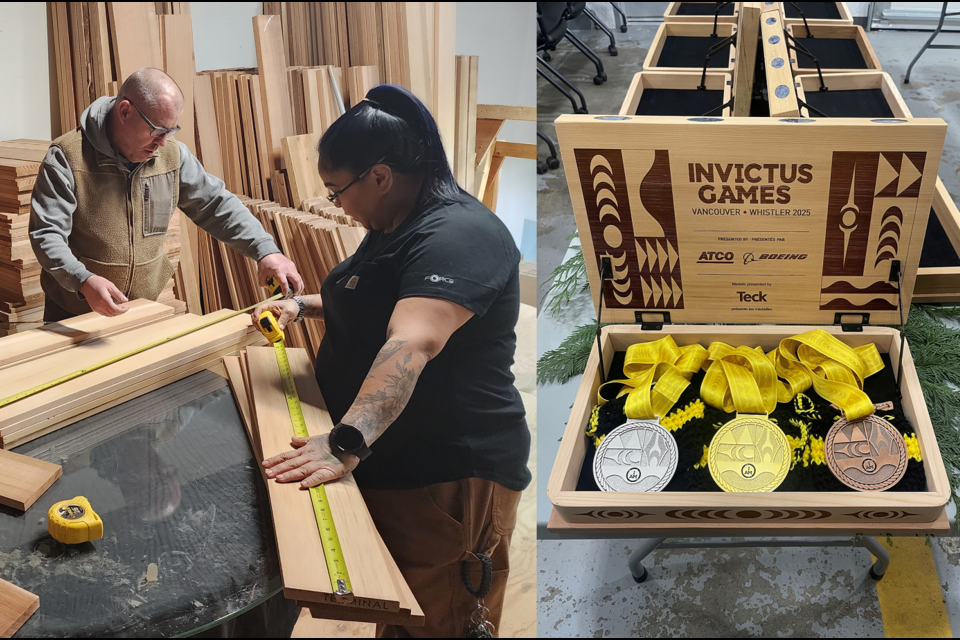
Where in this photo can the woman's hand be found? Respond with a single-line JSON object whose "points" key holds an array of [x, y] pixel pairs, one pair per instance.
{"points": [[286, 311], [311, 463]]}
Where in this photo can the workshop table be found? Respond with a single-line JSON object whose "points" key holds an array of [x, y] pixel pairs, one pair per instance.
{"points": [[188, 538]]}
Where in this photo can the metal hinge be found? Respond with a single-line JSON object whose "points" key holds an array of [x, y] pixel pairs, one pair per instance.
{"points": [[851, 326], [651, 325]]}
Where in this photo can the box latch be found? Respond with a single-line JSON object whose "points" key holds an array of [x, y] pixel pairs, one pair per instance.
{"points": [[651, 324], [843, 319]]}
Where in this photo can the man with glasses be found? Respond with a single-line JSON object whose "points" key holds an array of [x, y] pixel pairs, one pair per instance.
{"points": [[106, 192]]}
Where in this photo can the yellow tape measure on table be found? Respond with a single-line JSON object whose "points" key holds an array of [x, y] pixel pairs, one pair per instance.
{"points": [[329, 540]]}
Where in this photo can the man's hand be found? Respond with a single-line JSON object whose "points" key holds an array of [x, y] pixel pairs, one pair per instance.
{"points": [[311, 463], [276, 264], [100, 294], [286, 311]]}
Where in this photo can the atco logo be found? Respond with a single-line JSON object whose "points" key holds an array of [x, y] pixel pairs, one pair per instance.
{"points": [[716, 257], [438, 279], [748, 257]]}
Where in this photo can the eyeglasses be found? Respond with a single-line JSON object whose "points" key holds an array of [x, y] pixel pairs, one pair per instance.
{"points": [[333, 197], [158, 132]]}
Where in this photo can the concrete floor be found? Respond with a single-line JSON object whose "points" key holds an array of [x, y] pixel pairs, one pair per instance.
{"points": [[584, 587]]}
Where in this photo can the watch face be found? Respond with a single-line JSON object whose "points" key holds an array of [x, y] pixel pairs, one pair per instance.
{"points": [[348, 437]]}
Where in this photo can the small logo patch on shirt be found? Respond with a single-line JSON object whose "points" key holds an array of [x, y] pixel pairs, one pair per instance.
{"points": [[436, 278], [352, 282]]}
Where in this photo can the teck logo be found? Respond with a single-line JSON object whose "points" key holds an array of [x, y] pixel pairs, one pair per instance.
{"points": [[748, 257], [752, 297]]}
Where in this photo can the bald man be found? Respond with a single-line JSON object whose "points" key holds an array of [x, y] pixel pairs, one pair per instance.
{"points": [[106, 192]]}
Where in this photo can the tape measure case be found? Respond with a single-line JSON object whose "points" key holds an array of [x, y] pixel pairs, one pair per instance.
{"points": [[749, 231]]}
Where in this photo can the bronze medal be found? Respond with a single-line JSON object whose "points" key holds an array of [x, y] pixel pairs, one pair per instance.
{"points": [[639, 455], [749, 454], [866, 454]]}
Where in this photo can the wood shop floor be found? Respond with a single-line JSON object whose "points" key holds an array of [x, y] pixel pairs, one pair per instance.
{"points": [[519, 613], [584, 587]]}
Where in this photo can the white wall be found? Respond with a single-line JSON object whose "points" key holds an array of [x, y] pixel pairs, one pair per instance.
{"points": [[502, 34], [223, 34], [25, 72]]}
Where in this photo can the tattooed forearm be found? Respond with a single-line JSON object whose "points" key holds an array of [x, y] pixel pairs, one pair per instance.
{"points": [[312, 306], [387, 389]]}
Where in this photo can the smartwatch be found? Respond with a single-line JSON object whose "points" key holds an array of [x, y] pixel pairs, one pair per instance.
{"points": [[346, 438]]}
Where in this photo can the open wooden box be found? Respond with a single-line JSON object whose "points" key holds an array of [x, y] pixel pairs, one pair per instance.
{"points": [[700, 12], [641, 189], [873, 94], [839, 49], [818, 13], [683, 47], [655, 93]]}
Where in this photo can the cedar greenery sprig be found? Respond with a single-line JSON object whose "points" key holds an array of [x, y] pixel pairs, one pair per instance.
{"points": [[569, 359], [567, 280]]}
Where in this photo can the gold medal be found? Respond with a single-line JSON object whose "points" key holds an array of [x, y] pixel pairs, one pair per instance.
{"points": [[749, 454], [866, 454]]}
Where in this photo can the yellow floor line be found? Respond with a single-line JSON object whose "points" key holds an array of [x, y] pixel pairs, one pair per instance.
{"points": [[911, 601]]}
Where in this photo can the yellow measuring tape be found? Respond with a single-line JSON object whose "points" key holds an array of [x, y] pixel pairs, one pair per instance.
{"points": [[329, 540]]}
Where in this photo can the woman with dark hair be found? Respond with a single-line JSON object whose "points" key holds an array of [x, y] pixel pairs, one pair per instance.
{"points": [[415, 363]]}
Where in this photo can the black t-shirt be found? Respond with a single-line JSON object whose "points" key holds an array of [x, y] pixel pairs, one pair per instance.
{"points": [[465, 418]]}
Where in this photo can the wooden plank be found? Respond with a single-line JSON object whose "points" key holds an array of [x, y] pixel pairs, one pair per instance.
{"points": [[179, 64], [57, 336], [300, 156], [206, 119], [395, 68], [136, 37], [418, 17], [16, 606], [445, 105], [465, 143], [781, 93], [343, 40], [273, 86], [24, 479], [61, 43], [516, 150], [80, 52], [260, 133], [361, 80], [506, 112], [744, 66], [100, 48], [298, 541], [487, 130], [331, 35], [362, 35]]}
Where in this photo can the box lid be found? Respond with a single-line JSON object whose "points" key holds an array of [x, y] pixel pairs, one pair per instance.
{"points": [[749, 221]]}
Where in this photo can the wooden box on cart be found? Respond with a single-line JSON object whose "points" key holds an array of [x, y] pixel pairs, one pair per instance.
{"points": [[677, 92], [700, 12], [683, 46], [685, 208], [817, 13]]}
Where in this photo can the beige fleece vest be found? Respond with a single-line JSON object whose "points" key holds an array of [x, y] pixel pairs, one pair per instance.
{"points": [[120, 222]]}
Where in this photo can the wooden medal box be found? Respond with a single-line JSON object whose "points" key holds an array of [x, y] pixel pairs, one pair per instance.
{"points": [[818, 13], [873, 94], [657, 196], [700, 12], [660, 93], [839, 49], [683, 47]]}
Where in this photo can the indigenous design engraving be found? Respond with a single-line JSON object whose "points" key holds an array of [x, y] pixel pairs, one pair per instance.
{"points": [[866, 454], [749, 453], [873, 199], [629, 201], [639, 455]]}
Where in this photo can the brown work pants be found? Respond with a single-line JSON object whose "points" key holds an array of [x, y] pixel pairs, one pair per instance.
{"points": [[430, 532]]}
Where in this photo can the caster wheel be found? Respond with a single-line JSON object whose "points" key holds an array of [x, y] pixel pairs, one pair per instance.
{"points": [[541, 167], [553, 163], [623, 28], [612, 49], [547, 56], [600, 79], [642, 578], [582, 110], [874, 576]]}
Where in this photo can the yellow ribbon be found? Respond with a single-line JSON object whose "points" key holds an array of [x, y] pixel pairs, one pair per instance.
{"points": [[739, 379], [657, 374], [835, 370]]}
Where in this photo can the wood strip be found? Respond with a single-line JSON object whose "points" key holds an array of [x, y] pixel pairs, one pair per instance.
{"points": [[362, 36], [260, 135], [61, 43], [24, 479], [16, 606], [135, 33], [100, 48], [466, 121], [301, 157], [298, 541], [361, 80], [516, 150], [180, 65], [80, 54], [206, 121], [273, 80], [744, 68], [506, 112], [779, 74]]}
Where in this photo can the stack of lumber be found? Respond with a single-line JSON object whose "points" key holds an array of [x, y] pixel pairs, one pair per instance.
{"points": [[49, 354], [381, 594], [16, 606], [316, 241]]}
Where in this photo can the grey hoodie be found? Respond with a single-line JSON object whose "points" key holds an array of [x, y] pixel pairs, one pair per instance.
{"points": [[203, 197]]}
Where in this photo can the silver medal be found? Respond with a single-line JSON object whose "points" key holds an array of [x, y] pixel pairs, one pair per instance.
{"points": [[639, 455]]}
